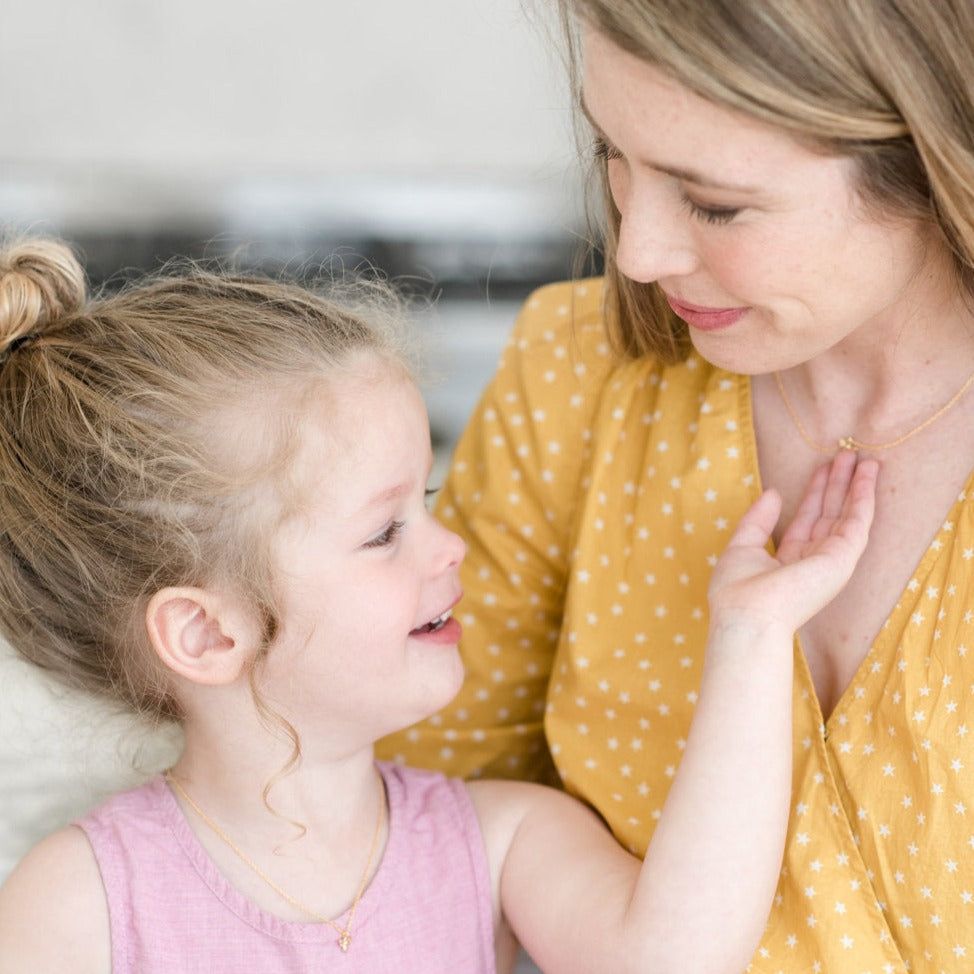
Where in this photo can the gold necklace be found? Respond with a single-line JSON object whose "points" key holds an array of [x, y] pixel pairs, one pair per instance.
{"points": [[851, 442], [344, 933]]}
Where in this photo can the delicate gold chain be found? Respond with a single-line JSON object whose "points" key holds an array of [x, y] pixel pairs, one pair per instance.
{"points": [[344, 934], [851, 442]]}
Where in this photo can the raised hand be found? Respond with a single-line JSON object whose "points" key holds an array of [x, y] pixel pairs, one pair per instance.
{"points": [[817, 554]]}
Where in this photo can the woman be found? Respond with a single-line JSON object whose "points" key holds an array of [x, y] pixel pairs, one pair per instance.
{"points": [[790, 270]]}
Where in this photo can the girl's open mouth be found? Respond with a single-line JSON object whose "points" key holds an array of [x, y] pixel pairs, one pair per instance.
{"points": [[434, 625]]}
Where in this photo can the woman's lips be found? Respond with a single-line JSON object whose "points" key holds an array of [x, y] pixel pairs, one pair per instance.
{"points": [[706, 319]]}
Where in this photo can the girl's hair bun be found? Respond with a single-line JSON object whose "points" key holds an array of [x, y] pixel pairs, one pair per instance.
{"points": [[41, 282]]}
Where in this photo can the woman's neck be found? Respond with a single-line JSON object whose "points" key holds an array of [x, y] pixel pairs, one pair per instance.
{"points": [[888, 378]]}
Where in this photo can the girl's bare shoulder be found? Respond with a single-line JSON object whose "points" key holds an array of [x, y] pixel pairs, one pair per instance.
{"points": [[53, 911]]}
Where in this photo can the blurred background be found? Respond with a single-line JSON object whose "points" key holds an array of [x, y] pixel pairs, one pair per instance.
{"points": [[433, 140]]}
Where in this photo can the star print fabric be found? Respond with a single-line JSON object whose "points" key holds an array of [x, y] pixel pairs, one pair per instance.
{"points": [[595, 497]]}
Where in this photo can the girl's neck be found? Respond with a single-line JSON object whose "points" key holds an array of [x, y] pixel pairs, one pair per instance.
{"points": [[234, 766], [259, 792], [305, 854]]}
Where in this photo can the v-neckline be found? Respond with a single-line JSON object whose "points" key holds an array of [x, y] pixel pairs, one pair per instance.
{"points": [[879, 653]]}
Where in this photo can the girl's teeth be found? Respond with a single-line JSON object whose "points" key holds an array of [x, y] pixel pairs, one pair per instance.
{"points": [[436, 624]]}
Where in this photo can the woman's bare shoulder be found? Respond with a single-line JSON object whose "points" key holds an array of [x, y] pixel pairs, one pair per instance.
{"points": [[53, 911]]}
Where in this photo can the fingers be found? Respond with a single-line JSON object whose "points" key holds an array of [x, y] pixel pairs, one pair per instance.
{"points": [[758, 522], [809, 513], [839, 501], [860, 502], [840, 475], [817, 553]]}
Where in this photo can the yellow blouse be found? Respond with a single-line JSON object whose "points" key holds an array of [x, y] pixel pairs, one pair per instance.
{"points": [[595, 497]]}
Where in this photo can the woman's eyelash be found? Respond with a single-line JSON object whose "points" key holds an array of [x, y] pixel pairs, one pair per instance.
{"points": [[602, 150], [387, 537], [710, 214]]}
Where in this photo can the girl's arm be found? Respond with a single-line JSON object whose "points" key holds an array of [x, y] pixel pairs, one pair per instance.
{"points": [[53, 912], [700, 901]]}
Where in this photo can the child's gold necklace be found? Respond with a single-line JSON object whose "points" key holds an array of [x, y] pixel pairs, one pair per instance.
{"points": [[344, 933]]}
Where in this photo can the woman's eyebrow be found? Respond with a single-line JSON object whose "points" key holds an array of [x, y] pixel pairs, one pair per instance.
{"points": [[679, 172]]}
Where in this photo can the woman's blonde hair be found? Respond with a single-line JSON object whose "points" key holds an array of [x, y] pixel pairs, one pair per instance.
{"points": [[889, 83], [141, 440]]}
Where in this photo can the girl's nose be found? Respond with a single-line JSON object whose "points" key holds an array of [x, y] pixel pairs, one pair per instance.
{"points": [[451, 548]]}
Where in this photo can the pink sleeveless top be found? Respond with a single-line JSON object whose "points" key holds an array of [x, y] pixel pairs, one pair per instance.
{"points": [[427, 910]]}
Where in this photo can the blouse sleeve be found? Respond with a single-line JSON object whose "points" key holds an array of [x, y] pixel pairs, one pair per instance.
{"points": [[510, 494]]}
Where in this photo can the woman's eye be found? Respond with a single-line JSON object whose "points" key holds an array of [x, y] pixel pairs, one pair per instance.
{"points": [[386, 537], [602, 150], [711, 214]]}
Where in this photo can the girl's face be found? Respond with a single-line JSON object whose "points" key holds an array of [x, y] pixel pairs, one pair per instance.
{"points": [[366, 574], [759, 243]]}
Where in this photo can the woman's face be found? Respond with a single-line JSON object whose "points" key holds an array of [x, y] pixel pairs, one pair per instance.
{"points": [[759, 243]]}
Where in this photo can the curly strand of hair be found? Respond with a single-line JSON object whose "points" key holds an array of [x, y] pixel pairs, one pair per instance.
{"points": [[283, 729]]}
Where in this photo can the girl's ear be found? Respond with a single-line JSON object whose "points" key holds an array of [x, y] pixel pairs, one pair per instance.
{"points": [[202, 635]]}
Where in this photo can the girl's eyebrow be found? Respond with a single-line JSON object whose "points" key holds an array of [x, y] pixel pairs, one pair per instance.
{"points": [[385, 496], [687, 175], [393, 492]]}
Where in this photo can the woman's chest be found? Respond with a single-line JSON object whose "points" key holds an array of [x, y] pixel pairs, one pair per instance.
{"points": [[915, 554]]}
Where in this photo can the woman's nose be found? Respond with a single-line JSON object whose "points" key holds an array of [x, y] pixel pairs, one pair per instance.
{"points": [[653, 240]]}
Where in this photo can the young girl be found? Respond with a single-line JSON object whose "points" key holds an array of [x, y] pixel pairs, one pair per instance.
{"points": [[214, 510]]}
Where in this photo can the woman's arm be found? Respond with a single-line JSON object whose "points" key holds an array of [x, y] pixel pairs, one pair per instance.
{"points": [[700, 901]]}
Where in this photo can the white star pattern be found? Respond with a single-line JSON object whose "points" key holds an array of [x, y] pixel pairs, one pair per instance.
{"points": [[881, 804]]}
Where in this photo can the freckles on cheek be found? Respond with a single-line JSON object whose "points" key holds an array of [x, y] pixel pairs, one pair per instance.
{"points": [[788, 255], [743, 274]]}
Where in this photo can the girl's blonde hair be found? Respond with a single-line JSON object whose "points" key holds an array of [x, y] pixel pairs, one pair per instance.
{"points": [[141, 446], [889, 83]]}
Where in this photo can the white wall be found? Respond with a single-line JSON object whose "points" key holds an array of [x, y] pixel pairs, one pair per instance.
{"points": [[125, 110]]}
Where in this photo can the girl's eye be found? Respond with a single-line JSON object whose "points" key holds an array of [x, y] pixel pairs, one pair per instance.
{"points": [[387, 537], [711, 214], [602, 150]]}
